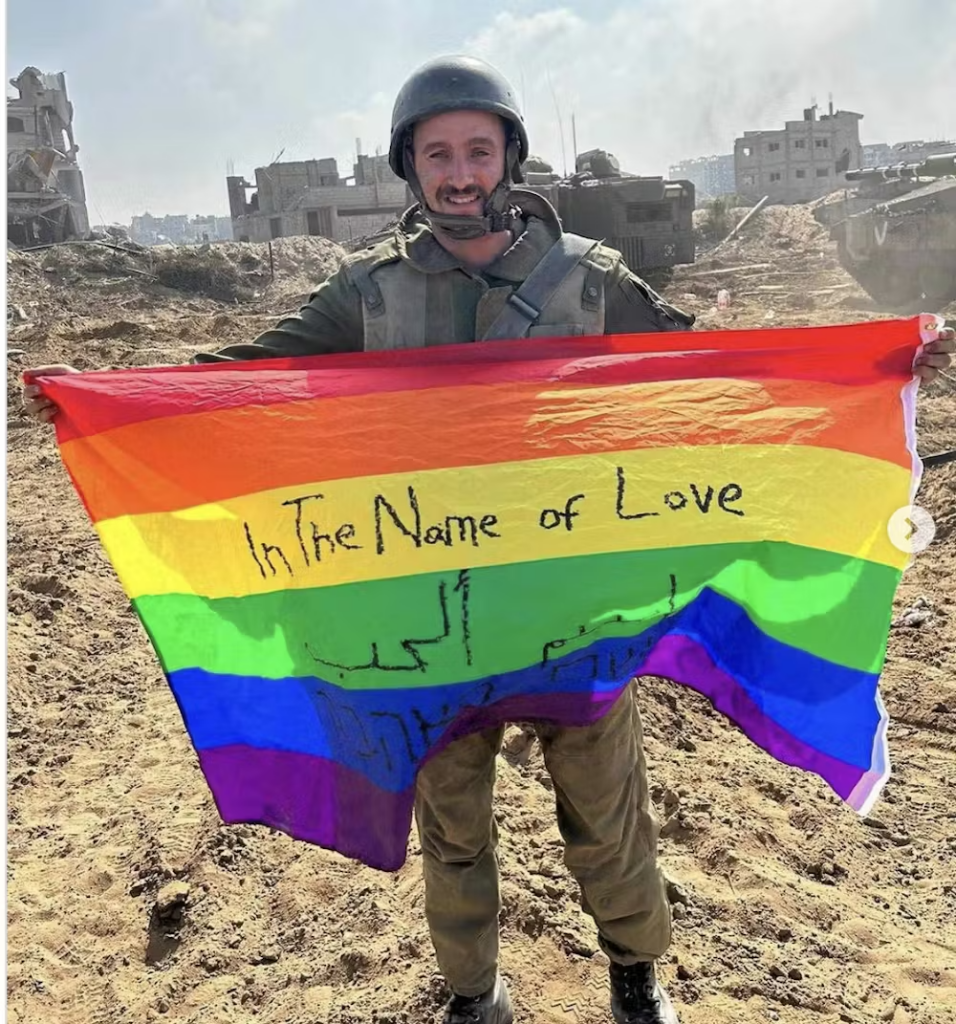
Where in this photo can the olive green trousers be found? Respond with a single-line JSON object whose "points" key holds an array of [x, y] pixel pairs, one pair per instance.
{"points": [[606, 822]]}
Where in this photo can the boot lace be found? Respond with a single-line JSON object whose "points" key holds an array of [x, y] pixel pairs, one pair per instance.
{"points": [[463, 1010], [635, 988]]}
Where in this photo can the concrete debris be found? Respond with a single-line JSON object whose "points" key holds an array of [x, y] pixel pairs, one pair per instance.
{"points": [[46, 199], [231, 272], [919, 613], [171, 901]]}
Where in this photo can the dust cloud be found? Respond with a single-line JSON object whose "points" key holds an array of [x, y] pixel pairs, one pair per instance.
{"points": [[663, 81]]}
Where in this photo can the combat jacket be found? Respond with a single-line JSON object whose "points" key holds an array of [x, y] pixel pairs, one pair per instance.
{"points": [[408, 291]]}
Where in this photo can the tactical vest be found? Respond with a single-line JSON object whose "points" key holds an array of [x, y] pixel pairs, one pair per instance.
{"points": [[563, 295]]}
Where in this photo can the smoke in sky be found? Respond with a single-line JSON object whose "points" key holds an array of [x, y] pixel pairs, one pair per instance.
{"points": [[680, 78], [167, 92]]}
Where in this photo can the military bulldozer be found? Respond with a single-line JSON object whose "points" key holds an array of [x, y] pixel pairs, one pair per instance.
{"points": [[895, 230], [649, 220]]}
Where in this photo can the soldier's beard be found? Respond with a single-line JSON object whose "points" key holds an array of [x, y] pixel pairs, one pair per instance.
{"points": [[446, 197], [491, 214]]}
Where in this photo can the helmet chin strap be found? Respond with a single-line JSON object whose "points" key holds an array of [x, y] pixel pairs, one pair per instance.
{"points": [[498, 214]]}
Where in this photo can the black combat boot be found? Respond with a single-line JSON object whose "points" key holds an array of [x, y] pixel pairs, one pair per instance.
{"points": [[494, 1007], [637, 998]]}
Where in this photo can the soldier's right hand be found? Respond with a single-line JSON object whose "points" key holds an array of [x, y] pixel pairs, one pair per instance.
{"points": [[35, 403]]}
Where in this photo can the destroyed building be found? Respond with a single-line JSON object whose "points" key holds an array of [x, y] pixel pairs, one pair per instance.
{"points": [[46, 199], [308, 197], [802, 161], [179, 229], [881, 154], [713, 176]]}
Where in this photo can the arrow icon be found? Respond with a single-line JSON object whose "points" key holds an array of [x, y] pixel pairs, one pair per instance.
{"points": [[911, 529]]}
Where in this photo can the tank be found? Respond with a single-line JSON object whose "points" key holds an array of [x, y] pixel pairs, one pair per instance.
{"points": [[649, 220], [895, 229]]}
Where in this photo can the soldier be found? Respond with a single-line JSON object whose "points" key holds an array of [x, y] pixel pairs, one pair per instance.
{"points": [[479, 259]]}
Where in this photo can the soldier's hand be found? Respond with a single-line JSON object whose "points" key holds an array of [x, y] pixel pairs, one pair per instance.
{"points": [[35, 403], [936, 356]]}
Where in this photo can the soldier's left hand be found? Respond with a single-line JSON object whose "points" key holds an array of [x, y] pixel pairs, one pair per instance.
{"points": [[936, 356]]}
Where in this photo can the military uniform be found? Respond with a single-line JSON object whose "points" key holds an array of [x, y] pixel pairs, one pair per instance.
{"points": [[409, 291]]}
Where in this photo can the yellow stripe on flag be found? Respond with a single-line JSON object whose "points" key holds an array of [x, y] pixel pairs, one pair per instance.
{"points": [[404, 524]]}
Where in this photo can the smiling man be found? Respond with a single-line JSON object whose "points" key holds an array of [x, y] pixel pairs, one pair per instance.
{"points": [[450, 272], [476, 259]]}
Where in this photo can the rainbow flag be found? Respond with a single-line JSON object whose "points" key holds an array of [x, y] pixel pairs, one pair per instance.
{"points": [[346, 562]]}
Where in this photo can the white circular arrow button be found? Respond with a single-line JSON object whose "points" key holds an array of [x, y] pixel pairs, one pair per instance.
{"points": [[911, 529]]}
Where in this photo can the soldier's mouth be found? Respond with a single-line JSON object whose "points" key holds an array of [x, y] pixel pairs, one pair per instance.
{"points": [[463, 202]]}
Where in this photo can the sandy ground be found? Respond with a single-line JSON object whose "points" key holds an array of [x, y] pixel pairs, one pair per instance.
{"points": [[129, 902]]}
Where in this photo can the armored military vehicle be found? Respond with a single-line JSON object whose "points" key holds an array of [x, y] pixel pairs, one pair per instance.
{"points": [[649, 220], [895, 230]]}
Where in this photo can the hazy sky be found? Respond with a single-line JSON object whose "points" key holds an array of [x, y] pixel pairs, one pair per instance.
{"points": [[166, 92]]}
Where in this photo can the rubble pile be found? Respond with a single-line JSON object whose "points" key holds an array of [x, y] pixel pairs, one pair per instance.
{"points": [[773, 226], [780, 268], [129, 901], [229, 272]]}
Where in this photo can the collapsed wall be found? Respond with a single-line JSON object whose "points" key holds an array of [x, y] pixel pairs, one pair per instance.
{"points": [[46, 198]]}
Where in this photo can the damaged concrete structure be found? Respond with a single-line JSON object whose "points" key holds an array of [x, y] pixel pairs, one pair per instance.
{"points": [[46, 199], [800, 162], [713, 176], [308, 197], [880, 154], [179, 229]]}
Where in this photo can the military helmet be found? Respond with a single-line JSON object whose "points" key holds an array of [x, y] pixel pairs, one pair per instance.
{"points": [[455, 83]]}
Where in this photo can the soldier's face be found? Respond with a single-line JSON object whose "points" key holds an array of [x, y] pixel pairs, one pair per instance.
{"points": [[459, 159]]}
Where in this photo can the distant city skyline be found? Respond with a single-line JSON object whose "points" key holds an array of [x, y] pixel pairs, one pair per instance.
{"points": [[168, 93]]}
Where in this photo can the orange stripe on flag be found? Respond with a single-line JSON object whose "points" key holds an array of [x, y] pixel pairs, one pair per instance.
{"points": [[182, 461]]}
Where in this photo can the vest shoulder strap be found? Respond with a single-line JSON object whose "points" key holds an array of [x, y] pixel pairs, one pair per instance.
{"points": [[359, 268], [525, 304]]}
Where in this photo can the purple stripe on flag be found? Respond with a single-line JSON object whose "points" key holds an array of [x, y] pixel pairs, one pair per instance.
{"points": [[684, 660], [310, 798], [322, 802]]}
